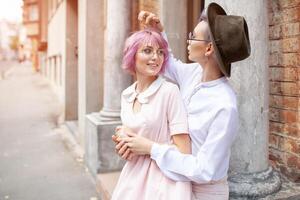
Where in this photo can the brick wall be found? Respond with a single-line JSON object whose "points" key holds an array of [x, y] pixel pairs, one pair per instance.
{"points": [[284, 74]]}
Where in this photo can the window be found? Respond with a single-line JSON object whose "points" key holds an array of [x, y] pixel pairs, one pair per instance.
{"points": [[33, 13]]}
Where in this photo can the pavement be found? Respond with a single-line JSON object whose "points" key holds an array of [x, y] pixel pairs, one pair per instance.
{"points": [[35, 162]]}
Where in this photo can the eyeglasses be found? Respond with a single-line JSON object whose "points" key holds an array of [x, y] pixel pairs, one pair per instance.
{"points": [[149, 52], [192, 37]]}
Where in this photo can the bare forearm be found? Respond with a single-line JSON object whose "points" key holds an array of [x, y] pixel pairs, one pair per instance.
{"points": [[182, 142]]}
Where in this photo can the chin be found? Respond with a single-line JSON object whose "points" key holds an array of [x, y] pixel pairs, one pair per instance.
{"points": [[191, 58], [154, 73]]}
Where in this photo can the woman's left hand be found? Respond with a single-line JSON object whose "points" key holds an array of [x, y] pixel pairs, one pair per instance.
{"points": [[137, 144]]}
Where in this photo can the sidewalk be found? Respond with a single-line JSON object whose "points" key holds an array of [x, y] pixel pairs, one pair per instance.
{"points": [[34, 162]]}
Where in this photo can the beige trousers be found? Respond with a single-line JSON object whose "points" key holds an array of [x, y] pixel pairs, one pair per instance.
{"points": [[218, 190]]}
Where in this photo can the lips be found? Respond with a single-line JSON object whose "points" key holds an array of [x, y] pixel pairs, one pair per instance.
{"points": [[152, 65]]}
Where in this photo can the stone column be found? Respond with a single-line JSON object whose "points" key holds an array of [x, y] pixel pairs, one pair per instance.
{"points": [[250, 174], [175, 27], [100, 155], [90, 60]]}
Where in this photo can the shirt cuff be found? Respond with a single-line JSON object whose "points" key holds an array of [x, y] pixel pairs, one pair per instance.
{"points": [[158, 150], [154, 151]]}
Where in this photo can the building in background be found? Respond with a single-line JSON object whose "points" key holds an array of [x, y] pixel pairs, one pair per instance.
{"points": [[77, 45], [9, 39], [31, 20]]}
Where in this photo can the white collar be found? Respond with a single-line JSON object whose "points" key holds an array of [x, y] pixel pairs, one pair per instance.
{"points": [[130, 93], [214, 82]]}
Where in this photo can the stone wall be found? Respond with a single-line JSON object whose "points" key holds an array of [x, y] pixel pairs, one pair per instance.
{"points": [[284, 62]]}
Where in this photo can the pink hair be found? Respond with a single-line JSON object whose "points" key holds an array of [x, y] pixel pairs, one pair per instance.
{"points": [[136, 40]]}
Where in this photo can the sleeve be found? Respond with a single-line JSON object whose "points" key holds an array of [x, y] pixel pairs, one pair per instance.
{"points": [[212, 160], [174, 176], [177, 122], [177, 71], [177, 116]]}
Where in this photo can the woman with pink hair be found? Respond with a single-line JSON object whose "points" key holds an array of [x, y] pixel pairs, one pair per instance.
{"points": [[152, 108]]}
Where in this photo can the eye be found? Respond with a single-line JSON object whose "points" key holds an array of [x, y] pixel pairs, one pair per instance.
{"points": [[160, 52], [147, 51]]}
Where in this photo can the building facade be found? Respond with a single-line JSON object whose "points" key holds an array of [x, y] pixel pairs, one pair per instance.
{"points": [[31, 21]]}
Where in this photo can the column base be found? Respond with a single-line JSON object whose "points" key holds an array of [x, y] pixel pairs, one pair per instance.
{"points": [[254, 185], [100, 156], [110, 116]]}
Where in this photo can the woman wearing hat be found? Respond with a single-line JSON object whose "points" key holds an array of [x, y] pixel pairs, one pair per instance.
{"points": [[216, 42]]}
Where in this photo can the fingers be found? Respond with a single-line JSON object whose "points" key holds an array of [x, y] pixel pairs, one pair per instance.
{"points": [[149, 18], [126, 154], [119, 145], [142, 15], [118, 128], [127, 139], [130, 156], [123, 149], [114, 138], [156, 20]]}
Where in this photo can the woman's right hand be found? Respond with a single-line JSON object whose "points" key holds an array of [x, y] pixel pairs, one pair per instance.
{"points": [[150, 20], [121, 147]]}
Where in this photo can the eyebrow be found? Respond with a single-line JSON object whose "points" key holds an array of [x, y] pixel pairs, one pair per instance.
{"points": [[150, 47]]}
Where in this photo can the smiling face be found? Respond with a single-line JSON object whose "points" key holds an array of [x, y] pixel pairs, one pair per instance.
{"points": [[149, 60], [145, 52]]}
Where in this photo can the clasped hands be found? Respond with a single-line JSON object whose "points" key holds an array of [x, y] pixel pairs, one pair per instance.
{"points": [[129, 144]]}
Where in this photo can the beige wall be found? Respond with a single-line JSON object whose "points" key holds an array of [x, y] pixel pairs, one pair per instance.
{"points": [[57, 47]]}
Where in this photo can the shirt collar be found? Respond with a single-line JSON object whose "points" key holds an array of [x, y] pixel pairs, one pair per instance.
{"points": [[214, 82], [130, 93]]}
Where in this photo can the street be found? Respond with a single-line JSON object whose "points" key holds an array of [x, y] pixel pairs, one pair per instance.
{"points": [[34, 162]]}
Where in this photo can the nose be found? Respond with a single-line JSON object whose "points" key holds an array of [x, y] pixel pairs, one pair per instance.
{"points": [[154, 55]]}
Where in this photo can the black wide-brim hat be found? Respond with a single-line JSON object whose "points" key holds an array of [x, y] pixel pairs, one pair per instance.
{"points": [[229, 35]]}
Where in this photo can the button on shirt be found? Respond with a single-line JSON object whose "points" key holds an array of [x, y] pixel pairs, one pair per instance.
{"points": [[212, 120]]}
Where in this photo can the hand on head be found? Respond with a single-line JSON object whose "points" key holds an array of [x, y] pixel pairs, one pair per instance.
{"points": [[150, 20]]}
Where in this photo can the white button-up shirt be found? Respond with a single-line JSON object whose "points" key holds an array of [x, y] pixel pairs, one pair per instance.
{"points": [[212, 120]]}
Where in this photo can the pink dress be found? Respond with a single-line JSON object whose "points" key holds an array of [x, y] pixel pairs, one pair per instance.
{"points": [[162, 114]]}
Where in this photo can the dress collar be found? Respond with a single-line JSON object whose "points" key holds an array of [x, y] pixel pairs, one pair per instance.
{"points": [[130, 93]]}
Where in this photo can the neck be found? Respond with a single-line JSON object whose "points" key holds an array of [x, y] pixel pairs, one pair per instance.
{"points": [[211, 72], [143, 82]]}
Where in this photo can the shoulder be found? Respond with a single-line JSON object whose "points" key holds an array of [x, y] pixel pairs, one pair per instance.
{"points": [[169, 88], [227, 96], [129, 90], [224, 101]]}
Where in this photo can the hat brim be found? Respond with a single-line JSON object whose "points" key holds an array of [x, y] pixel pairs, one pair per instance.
{"points": [[212, 11]]}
